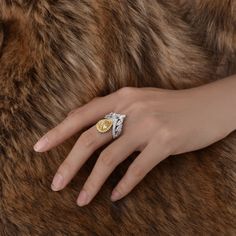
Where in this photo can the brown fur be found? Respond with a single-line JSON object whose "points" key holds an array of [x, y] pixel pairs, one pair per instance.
{"points": [[58, 55]]}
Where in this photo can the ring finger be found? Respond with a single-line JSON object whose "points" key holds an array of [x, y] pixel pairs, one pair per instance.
{"points": [[87, 143]]}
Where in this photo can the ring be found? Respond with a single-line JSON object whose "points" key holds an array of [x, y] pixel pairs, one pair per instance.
{"points": [[113, 120]]}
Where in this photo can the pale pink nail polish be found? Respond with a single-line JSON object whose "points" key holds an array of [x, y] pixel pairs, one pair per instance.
{"points": [[57, 182], [41, 144], [83, 198]]}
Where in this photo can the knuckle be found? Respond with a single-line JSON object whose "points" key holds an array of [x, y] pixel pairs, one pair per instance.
{"points": [[90, 185], [95, 99], [106, 158], [138, 106], [87, 139], [167, 136], [136, 171], [127, 92], [166, 133], [56, 132], [65, 167], [150, 122]]}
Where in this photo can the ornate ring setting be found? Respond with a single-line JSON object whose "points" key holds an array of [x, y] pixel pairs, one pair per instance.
{"points": [[113, 120]]}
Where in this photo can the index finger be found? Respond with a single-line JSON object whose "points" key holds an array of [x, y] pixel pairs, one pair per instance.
{"points": [[84, 116]]}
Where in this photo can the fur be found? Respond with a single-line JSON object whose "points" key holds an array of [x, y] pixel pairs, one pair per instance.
{"points": [[58, 55]]}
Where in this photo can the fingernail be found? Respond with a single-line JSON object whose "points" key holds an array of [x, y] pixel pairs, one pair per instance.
{"points": [[115, 195], [41, 144], [57, 182], [83, 198]]}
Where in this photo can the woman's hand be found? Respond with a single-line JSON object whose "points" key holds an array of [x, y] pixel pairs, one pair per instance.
{"points": [[158, 123]]}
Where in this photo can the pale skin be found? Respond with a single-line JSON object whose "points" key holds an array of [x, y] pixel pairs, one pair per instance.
{"points": [[159, 123]]}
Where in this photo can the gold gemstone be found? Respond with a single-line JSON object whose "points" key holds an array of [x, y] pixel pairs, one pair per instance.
{"points": [[104, 125]]}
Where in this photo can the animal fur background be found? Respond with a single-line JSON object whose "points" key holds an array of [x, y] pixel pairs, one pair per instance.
{"points": [[58, 55]]}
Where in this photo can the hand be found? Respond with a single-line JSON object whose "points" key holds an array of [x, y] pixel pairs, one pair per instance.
{"points": [[159, 123]]}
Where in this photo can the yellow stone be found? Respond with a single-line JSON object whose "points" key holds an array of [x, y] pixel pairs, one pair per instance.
{"points": [[104, 125]]}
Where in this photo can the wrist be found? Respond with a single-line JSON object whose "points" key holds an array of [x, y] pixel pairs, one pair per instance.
{"points": [[220, 98]]}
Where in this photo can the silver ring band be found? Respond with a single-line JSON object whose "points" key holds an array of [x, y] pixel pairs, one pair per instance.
{"points": [[117, 126]]}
